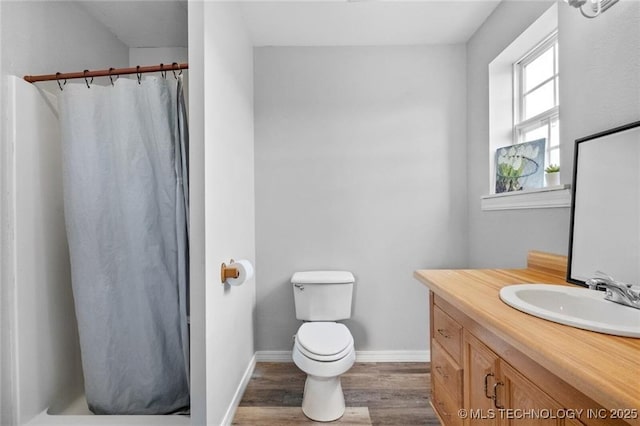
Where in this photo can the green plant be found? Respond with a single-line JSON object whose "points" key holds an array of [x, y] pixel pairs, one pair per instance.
{"points": [[552, 168]]}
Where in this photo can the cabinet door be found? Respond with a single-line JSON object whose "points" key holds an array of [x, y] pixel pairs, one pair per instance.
{"points": [[480, 377], [525, 403]]}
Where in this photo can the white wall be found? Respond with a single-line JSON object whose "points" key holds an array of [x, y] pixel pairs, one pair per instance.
{"points": [[599, 89], [360, 165], [4, 253], [197, 281], [47, 366], [42, 37], [601, 61], [38, 324], [229, 218], [502, 238]]}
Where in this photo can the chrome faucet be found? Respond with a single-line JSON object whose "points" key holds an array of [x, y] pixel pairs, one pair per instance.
{"points": [[616, 291]]}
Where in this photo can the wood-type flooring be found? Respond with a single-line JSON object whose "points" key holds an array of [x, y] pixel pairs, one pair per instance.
{"points": [[375, 394]]}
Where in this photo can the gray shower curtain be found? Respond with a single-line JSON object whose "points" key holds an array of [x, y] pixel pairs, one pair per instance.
{"points": [[125, 199]]}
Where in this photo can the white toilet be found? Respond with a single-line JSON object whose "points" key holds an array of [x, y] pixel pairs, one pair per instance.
{"points": [[323, 348]]}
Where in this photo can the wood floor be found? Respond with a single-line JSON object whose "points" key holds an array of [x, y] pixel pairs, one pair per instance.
{"points": [[375, 394]]}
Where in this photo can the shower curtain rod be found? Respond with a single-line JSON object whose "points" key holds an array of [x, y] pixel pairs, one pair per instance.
{"points": [[107, 73]]}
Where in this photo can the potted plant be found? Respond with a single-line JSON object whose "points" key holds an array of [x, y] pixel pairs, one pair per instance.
{"points": [[552, 175]]}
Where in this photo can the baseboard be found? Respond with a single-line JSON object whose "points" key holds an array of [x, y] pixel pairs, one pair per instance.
{"points": [[393, 356], [361, 356], [237, 397], [274, 356]]}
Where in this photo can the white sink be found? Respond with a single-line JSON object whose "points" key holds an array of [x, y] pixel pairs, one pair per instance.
{"points": [[574, 306]]}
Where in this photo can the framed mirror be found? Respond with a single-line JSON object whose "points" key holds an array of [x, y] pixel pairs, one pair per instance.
{"points": [[605, 207]]}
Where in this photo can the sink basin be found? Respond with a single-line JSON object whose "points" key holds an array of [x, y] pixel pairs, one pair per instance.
{"points": [[574, 306]]}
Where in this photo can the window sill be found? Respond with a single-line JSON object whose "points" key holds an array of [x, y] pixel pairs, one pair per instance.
{"points": [[543, 198]]}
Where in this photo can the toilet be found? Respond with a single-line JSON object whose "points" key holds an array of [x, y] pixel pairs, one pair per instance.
{"points": [[323, 348]]}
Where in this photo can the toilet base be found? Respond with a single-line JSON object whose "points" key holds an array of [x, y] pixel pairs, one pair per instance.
{"points": [[323, 400]]}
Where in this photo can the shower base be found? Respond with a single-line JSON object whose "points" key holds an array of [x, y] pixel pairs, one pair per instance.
{"points": [[77, 413]]}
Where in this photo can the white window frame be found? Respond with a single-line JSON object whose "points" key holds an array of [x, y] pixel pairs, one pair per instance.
{"points": [[501, 120], [522, 125]]}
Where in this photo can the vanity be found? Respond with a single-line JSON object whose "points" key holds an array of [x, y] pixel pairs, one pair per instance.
{"points": [[492, 364]]}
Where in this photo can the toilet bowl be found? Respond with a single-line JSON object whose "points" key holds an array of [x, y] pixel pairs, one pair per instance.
{"points": [[323, 348], [324, 351]]}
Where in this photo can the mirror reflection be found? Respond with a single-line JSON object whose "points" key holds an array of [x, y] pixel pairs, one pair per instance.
{"points": [[605, 216]]}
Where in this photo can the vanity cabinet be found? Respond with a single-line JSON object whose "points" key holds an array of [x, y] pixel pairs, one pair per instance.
{"points": [[517, 391], [485, 354], [472, 372], [446, 366], [481, 378], [494, 385]]}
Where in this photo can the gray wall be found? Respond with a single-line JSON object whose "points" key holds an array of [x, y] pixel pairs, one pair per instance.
{"points": [[502, 238], [599, 89], [360, 165]]}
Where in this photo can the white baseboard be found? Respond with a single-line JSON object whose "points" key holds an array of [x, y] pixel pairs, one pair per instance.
{"points": [[393, 356], [361, 356], [274, 356], [237, 397]]}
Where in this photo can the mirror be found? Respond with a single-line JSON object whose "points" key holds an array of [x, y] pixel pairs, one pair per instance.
{"points": [[605, 209]]}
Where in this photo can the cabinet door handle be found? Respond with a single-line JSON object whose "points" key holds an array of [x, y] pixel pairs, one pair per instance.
{"points": [[495, 396], [486, 385], [443, 333], [440, 371]]}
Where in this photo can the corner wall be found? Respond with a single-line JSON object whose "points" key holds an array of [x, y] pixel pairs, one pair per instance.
{"points": [[360, 165], [229, 218], [502, 238]]}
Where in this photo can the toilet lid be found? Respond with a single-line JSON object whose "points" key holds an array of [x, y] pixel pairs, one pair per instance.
{"points": [[324, 338], [323, 277]]}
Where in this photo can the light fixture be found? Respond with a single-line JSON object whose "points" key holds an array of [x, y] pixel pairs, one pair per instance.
{"points": [[591, 8]]}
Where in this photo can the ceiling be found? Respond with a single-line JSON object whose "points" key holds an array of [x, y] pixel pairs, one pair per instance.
{"points": [[361, 23], [163, 23]]}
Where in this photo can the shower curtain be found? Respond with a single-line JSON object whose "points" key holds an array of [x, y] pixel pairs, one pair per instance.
{"points": [[125, 200]]}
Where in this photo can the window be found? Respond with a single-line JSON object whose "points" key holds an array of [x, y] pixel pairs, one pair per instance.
{"points": [[536, 101], [523, 106]]}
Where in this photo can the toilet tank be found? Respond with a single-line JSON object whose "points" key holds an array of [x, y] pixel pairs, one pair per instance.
{"points": [[323, 295]]}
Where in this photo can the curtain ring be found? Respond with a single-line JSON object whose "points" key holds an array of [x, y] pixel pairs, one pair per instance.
{"points": [[111, 76], [163, 73], [138, 73], [175, 67], [58, 80], [87, 81]]}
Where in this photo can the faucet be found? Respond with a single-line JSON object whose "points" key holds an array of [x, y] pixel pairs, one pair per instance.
{"points": [[616, 291]]}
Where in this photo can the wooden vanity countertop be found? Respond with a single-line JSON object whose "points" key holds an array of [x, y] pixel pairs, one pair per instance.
{"points": [[603, 367]]}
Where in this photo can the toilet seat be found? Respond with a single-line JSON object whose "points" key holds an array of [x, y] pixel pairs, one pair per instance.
{"points": [[324, 358], [324, 341]]}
